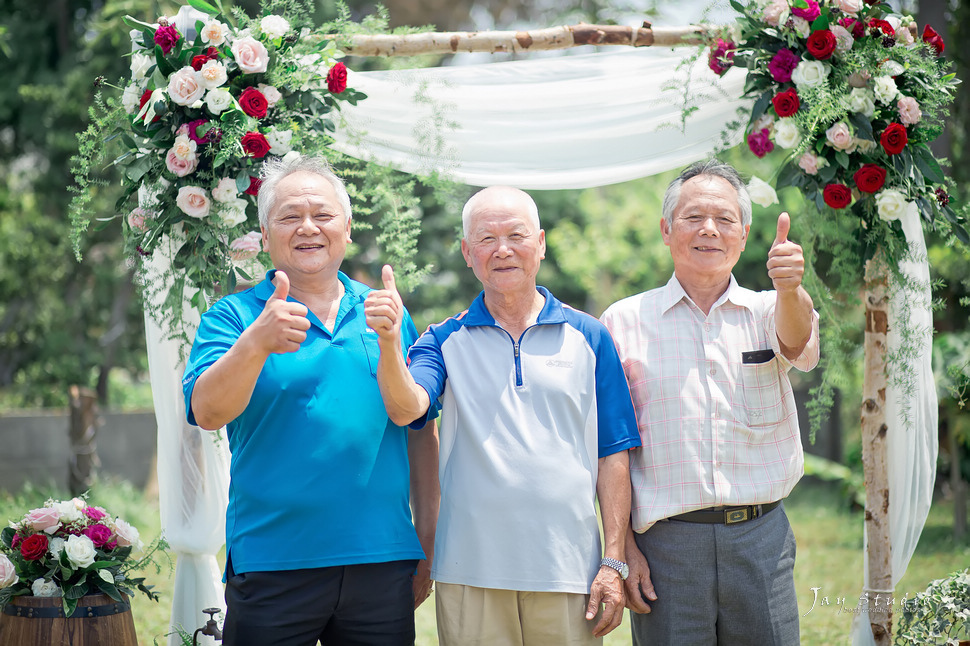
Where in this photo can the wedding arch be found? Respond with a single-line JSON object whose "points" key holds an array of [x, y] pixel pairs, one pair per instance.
{"points": [[537, 124]]}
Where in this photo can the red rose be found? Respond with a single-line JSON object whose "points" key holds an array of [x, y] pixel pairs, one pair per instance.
{"points": [[882, 25], [253, 102], [165, 37], [786, 103], [821, 44], [255, 145], [838, 196], [933, 39], [337, 78], [870, 178], [894, 138], [254, 184], [34, 547]]}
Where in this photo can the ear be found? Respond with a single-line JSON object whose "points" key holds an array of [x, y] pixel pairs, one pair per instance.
{"points": [[465, 253], [265, 233], [744, 236], [542, 244], [665, 231], [349, 222]]}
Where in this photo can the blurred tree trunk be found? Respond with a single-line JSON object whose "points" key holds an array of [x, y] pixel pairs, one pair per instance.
{"points": [[83, 462]]}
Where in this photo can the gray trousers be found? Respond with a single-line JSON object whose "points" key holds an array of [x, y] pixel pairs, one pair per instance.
{"points": [[720, 584]]}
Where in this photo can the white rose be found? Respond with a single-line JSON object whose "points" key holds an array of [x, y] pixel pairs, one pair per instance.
{"points": [[885, 89], [840, 136], [850, 6], [787, 134], [125, 533], [8, 573], [45, 588], [233, 212], [891, 204], [225, 190], [761, 192], [279, 141], [80, 551], [56, 547], [289, 157], [801, 26], [272, 95], [274, 26], [184, 148], [218, 100], [250, 54], [131, 98], [214, 33], [861, 101], [185, 86], [140, 64], [894, 22], [194, 203], [213, 74], [68, 511], [776, 13], [809, 74], [864, 145]]}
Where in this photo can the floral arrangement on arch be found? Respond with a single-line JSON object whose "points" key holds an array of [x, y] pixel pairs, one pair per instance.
{"points": [[853, 94], [211, 96], [69, 549]]}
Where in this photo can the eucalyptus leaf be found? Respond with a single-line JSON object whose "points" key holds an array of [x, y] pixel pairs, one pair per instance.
{"points": [[203, 6]]}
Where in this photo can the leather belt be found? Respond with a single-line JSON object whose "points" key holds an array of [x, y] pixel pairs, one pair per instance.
{"points": [[726, 515]]}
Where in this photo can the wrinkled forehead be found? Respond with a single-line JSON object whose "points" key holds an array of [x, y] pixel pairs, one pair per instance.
{"points": [[708, 192], [504, 209]]}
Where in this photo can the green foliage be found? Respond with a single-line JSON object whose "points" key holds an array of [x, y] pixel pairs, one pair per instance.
{"points": [[938, 615]]}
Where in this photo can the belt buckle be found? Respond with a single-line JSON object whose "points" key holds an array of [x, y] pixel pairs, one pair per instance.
{"points": [[732, 516]]}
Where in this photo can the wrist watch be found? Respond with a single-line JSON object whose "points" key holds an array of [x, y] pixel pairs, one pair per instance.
{"points": [[619, 566]]}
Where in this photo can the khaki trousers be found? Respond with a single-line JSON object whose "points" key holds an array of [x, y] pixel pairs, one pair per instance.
{"points": [[470, 616]]}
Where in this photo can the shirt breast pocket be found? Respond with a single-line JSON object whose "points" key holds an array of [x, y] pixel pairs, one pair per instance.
{"points": [[761, 389]]}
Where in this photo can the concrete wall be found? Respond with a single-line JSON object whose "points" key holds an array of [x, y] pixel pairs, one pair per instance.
{"points": [[34, 447]]}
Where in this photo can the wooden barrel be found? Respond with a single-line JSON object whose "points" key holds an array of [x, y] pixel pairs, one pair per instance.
{"points": [[39, 621]]}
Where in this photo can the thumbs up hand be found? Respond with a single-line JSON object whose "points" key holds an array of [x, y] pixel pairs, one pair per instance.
{"points": [[786, 264], [384, 310], [282, 325]]}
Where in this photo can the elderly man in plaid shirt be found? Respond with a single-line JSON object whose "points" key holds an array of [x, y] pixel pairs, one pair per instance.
{"points": [[711, 553]]}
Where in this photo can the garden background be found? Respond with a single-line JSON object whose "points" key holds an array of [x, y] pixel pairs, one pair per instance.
{"points": [[64, 323]]}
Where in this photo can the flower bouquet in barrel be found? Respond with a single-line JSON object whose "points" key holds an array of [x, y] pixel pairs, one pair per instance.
{"points": [[70, 549]]}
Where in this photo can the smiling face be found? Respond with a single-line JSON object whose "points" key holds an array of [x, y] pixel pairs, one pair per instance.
{"points": [[307, 231], [706, 237], [504, 246]]}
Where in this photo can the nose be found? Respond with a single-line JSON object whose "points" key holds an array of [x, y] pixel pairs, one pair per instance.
{"points": [[504, 249], [709, 227], [307, 227]]}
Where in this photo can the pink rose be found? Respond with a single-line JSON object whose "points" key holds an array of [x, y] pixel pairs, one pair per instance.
{"points": [[45, 519], [166, 36], [194, 203], [125, 534], [185, 86], [808, 163], [760, 142], [99, 534], [909, 112], [8, 572], [850, 6], [178, 166], [246, 247], [839, 136], [776, 12], [250, 54], [809, 13], [136, 220], [843, 39], [272, 95]]}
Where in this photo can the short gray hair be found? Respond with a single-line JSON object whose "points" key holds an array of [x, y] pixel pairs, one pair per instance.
{"points": [[712, 168], [275, 170], [473, 203]]}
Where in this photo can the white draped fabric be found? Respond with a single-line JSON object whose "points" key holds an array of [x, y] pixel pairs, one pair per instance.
{"points": [[565, 122], [550, 123]]}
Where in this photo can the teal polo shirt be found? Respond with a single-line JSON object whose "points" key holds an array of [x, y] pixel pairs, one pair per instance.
{"points": [[319, 474]]}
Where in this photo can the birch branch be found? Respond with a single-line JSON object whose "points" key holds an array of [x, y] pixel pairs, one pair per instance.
{"points": [[521, 41]]}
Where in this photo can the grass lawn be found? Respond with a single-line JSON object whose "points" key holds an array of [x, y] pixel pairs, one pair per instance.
{"points": [[829, 558]]}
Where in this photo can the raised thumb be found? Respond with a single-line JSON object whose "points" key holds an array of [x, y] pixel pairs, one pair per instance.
{"points": [[282, 286], [387, 277], [784, 226]]}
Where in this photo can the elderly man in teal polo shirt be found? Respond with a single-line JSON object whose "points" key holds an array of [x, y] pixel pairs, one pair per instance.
{"points": [[319, 533]]}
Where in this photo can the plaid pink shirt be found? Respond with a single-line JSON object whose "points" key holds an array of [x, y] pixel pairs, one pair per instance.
{"points": [[715, 431]]}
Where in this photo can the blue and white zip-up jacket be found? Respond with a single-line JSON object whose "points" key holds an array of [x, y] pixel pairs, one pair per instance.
{"points": [[523, 424]]}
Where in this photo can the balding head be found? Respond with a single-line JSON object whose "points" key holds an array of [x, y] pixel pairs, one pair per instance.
{"points": [[498, 196]]}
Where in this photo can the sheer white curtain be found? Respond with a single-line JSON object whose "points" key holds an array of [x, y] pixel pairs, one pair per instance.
{"points": [[550, 123]]}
